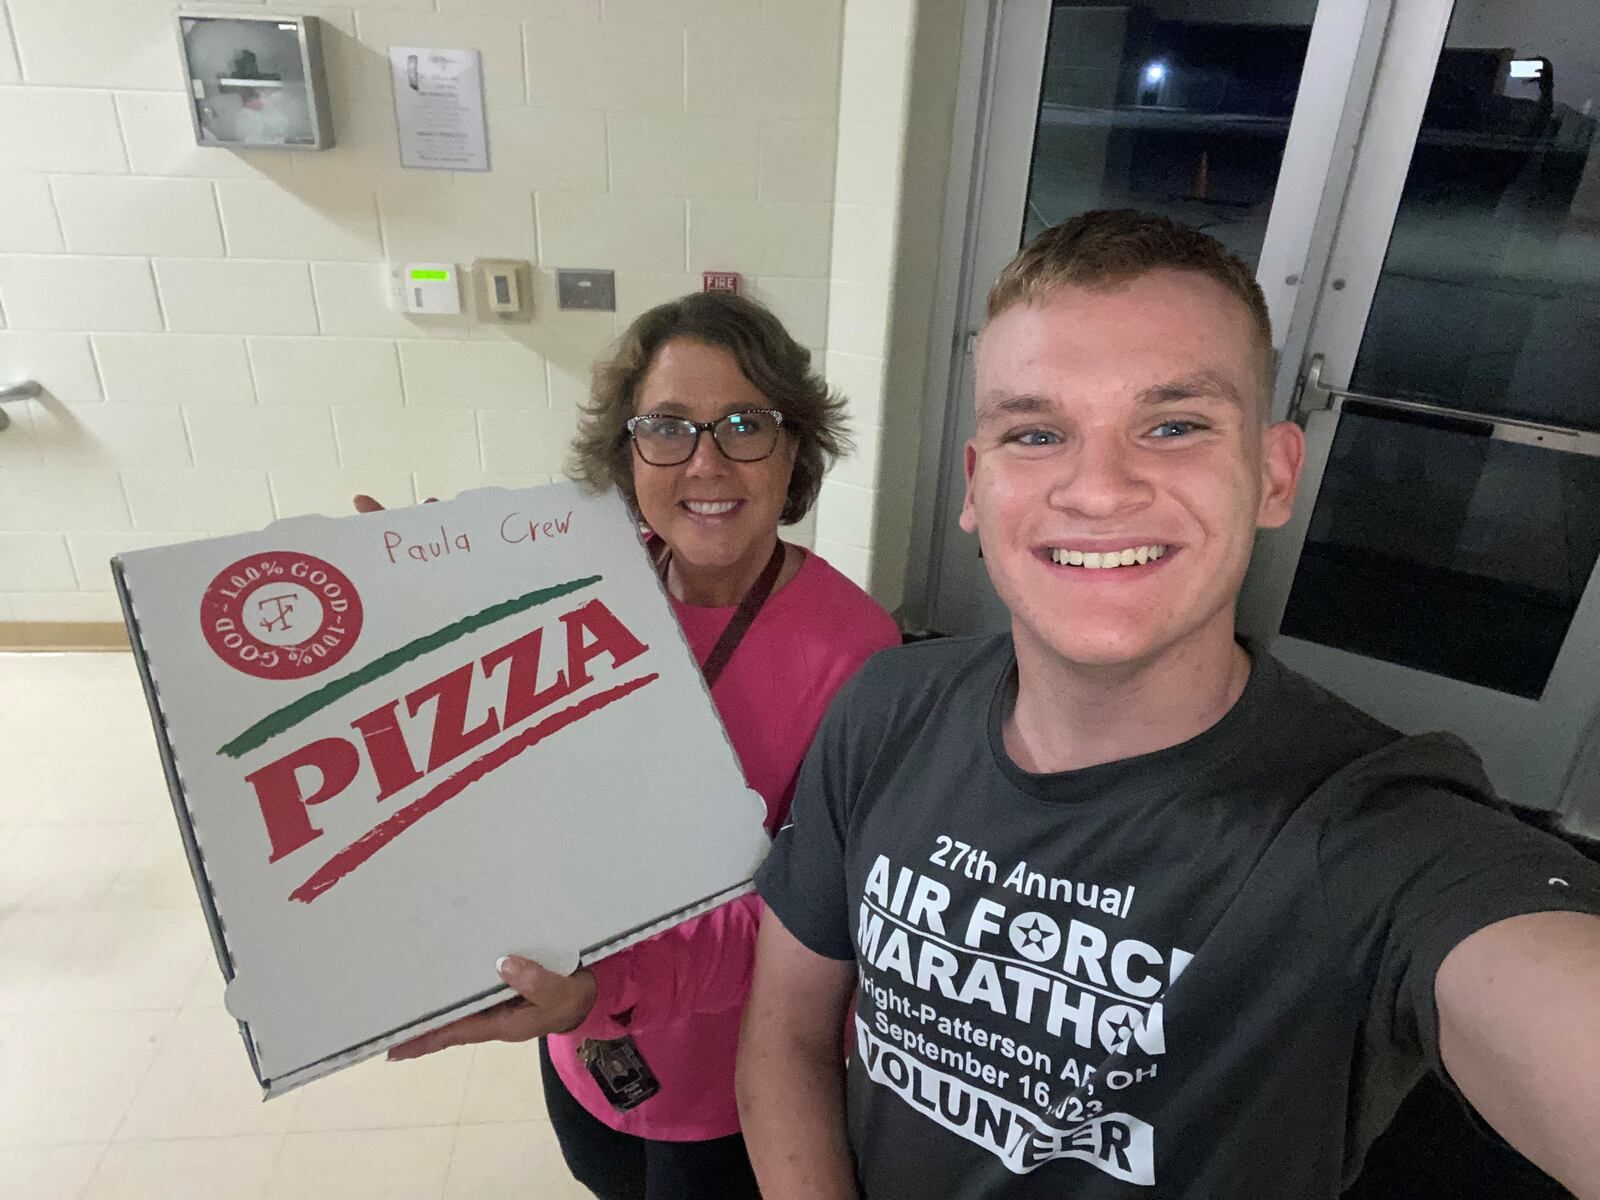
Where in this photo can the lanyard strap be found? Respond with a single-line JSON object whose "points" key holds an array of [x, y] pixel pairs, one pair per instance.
{"points": [[744, 616]]}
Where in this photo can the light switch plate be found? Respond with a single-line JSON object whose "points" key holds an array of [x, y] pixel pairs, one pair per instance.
{"points": [[595, 290], [503, 289]]}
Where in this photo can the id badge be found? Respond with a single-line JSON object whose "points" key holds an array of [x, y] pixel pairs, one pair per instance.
{"points": [[625, 1079]]}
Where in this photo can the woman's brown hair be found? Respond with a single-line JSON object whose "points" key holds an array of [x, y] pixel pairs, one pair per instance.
{"points": [[774, 363]]}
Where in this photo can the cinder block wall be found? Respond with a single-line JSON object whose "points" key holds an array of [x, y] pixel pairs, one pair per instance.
{"points": [[896, 107], [213, 328]]}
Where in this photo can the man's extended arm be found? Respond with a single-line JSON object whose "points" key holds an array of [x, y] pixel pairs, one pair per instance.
{"points": [[1519, 1032], [791, 1069]]}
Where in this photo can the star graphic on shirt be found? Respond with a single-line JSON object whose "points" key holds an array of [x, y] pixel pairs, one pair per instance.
{"points": [[1035, 937], [1116, 1032]]}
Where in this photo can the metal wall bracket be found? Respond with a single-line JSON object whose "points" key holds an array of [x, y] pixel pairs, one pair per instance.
{"points": [[26, 390]]}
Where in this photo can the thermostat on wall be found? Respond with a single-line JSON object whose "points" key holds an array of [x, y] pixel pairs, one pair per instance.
{"points": [[433, 289]]}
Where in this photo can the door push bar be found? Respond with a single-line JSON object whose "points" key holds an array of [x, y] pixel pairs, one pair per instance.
{"points": [[17, 391], [1312, 396]]}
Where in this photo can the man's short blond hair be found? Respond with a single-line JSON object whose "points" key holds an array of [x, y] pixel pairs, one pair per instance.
{"points": [[1114, 246]]}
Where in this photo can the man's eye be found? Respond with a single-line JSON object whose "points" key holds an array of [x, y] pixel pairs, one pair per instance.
{"points": [[1034, 437], [1172, 429]]}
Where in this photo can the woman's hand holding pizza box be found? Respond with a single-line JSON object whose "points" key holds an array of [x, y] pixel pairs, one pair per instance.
{"points": [[545, 1003]]}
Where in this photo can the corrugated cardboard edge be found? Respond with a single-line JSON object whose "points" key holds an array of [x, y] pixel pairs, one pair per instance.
{"points": [[180, 803], [348, 1058]]}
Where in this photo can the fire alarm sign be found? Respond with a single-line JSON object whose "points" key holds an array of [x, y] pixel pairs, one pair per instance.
{"points": [[720, 281]]}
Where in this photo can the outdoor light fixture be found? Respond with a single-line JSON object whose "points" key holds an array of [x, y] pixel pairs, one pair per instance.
{"points": [[1152, 82]]}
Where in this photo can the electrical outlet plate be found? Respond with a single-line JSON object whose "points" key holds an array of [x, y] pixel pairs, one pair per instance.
{"points": [[594, 290]]}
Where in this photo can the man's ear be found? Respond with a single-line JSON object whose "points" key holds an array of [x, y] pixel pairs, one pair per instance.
{"points": [[1283, 454], [969, 462]]}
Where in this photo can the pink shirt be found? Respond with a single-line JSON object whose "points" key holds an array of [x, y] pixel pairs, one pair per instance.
{"points": [[681, 993]]}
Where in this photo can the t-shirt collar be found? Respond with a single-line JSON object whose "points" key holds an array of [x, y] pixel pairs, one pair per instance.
{"points": [[1194, 764]]}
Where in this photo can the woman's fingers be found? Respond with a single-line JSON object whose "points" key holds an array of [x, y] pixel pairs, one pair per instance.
{"points": [[562, 1000], [513, 1021], [546, 1003], [464, 1032], [366, 504]]}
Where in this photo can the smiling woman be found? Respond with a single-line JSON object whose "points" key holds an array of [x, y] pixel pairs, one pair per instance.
{"points": [[720, 365], [709, 419]]}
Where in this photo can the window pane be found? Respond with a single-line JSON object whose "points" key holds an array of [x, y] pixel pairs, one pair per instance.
{"points": [[1436, 547], [1186, 116], [1490, 294]]}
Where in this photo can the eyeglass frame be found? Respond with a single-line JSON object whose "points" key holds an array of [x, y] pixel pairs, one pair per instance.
{"points": [[704, 427]]}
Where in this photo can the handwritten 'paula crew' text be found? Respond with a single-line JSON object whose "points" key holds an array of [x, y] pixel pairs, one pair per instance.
{"points": [[515, 529]]}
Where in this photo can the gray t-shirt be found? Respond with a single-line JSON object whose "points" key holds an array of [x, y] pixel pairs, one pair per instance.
{"points": [[1203, 972]]}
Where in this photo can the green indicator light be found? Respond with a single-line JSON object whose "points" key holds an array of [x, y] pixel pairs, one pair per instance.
{"points": [[430, 274]]}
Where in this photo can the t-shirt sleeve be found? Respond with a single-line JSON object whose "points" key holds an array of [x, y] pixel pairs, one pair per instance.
{"points": [[803, 878], [1414, 869]]}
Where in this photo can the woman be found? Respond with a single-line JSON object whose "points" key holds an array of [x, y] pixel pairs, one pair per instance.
{"points": [[708, 417]]}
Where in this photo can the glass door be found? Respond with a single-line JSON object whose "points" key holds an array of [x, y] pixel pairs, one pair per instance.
{"points": [[1440, 572], [1226, 114]]}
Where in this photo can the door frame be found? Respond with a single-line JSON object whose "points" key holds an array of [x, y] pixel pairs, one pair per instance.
{"points": [[1325, 128], [967, 181], [1327, 294], [1500, 726]]}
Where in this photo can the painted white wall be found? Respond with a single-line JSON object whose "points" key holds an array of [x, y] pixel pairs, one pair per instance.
{"points": [[873, 74], [929, 121], [213, 327], [897, 86]]}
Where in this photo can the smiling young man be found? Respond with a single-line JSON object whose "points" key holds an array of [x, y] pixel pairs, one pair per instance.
{"points": [[1126, 907]]}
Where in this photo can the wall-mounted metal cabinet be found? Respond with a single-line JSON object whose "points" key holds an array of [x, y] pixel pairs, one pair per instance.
{"points": [[256, 81]]}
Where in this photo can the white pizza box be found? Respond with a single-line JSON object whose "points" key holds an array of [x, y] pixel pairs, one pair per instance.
{"points": [[403, 744]]}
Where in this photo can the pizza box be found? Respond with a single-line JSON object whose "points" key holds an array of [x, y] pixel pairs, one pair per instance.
{"points": [[405, 743]]}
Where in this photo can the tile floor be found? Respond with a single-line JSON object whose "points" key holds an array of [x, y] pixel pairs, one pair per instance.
{"points": [[120, 1074]]}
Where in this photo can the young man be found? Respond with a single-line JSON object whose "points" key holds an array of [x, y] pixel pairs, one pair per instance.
{"points": [[1128, 908]]}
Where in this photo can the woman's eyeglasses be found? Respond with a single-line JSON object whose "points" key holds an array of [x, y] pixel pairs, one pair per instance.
{"points": [[746, 436]]}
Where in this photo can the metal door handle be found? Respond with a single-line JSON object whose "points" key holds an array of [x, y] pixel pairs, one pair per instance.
{"points": [[1312, 396], [26, 390]]}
